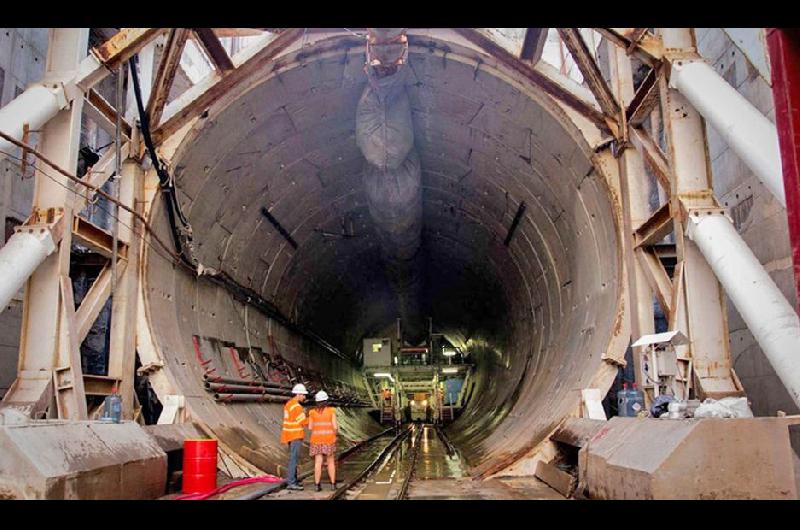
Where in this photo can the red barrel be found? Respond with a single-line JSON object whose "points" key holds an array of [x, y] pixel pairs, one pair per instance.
{"points": [[199, 466]]}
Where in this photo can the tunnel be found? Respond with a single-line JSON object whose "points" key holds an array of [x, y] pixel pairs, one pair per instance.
{"points": [[537, 308]]}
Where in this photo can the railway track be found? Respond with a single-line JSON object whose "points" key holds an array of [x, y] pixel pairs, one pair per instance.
{"points": [[388, 452], [400, 454]]}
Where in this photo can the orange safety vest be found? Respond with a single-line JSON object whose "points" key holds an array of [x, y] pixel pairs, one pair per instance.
{"points": [[294, 417], [321, 425]]}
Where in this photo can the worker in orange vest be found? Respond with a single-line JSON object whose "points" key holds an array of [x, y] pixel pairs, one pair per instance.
{"points": [[293, 432], [322, 423]]}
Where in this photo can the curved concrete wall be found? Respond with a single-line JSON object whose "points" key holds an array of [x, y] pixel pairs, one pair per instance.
{"points": [[536, 316]]}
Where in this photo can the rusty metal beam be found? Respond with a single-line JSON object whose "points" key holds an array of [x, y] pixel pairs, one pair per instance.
{"points": [[124, 45], [533, 44], [535, 77], [95, 299], [225, 83], [101, 111], [95, 238], [237, 32], [645, 99], [653, 156], [591, 72], [214, 48], [166, 74], [648, 48], [654, 229]]}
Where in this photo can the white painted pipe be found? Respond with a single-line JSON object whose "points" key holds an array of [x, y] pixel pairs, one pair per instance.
{"points": [[770, 318], [36, 106], [749, 133], [19, 257]]}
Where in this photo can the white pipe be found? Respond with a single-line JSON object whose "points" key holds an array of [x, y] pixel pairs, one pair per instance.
{"points": [[19, 257], [748, 132], [770, 318], [36, 106]]}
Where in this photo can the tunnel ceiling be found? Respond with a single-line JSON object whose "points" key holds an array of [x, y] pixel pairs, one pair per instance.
{"points": [[288, 144]]}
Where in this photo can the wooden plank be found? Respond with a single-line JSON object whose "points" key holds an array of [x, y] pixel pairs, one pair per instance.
{"points": [[561, 481], [534, 76], [224, 84], [165, 74], [533, 44], [214, 48], [577, 431], [591, 72]]}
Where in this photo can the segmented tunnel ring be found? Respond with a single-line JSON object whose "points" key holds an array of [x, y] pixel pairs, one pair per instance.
{"points": [[537, 316]]}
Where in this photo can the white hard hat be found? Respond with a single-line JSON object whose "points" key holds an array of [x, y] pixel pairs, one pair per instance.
{"points": [[321, 396], [299, 389]]}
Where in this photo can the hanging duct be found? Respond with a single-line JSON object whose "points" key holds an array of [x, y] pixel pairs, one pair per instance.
{"points": [[392, 175]]}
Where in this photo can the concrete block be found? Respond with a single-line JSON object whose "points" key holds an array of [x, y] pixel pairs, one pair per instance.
{"points": [[80, 460], [633, 458]]}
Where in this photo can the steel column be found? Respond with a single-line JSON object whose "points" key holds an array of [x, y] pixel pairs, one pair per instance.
{"points": [[784, 52], [700, 311], [749, 133], [635, 208], [47, 340], [763, 307]]}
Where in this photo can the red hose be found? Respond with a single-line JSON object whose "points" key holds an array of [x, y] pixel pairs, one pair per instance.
{"points": [[228, 486]]}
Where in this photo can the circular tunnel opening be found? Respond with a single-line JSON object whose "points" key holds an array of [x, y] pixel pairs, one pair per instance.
{"points": [[534, 309]]}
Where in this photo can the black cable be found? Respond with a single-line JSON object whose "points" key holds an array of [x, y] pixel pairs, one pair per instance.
{"points": [[163, 177]]}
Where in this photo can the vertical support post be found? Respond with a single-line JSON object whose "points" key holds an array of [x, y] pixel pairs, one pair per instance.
{"points": [[635, 207], [702, 312], [124, 311], [784, 53], [45, 340]]}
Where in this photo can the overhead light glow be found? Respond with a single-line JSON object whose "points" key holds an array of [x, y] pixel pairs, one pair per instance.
{"points": [[449, 353], [382, 374], [449, 370]]}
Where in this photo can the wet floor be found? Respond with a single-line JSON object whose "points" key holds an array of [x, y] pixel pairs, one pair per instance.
{"points": [[437, 475]]}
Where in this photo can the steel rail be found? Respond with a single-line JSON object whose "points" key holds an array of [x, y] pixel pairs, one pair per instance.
{"points": [[266, 490], [412, 466], [388, 450]]}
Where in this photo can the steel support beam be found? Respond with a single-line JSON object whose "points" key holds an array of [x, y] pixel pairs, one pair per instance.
{"points": [[750, 134], [165, 75], [214, 48], [763, 307], [648, 48], [124, 309], [591, 72], [223, 84], [533, 44], [699, 311], [48, 340], [635, 210], [784, 52], [534, 76]]}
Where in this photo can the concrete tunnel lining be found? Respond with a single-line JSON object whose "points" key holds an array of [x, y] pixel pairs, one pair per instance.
{"points": [[536, 316]]}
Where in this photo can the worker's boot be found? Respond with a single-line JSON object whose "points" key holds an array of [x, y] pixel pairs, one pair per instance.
{"points": [[295, 487], [333, 486], [319, 486]]}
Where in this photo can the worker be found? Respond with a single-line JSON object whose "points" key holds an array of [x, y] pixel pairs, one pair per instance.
{"points": [[293, 432], [323, 427]]}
